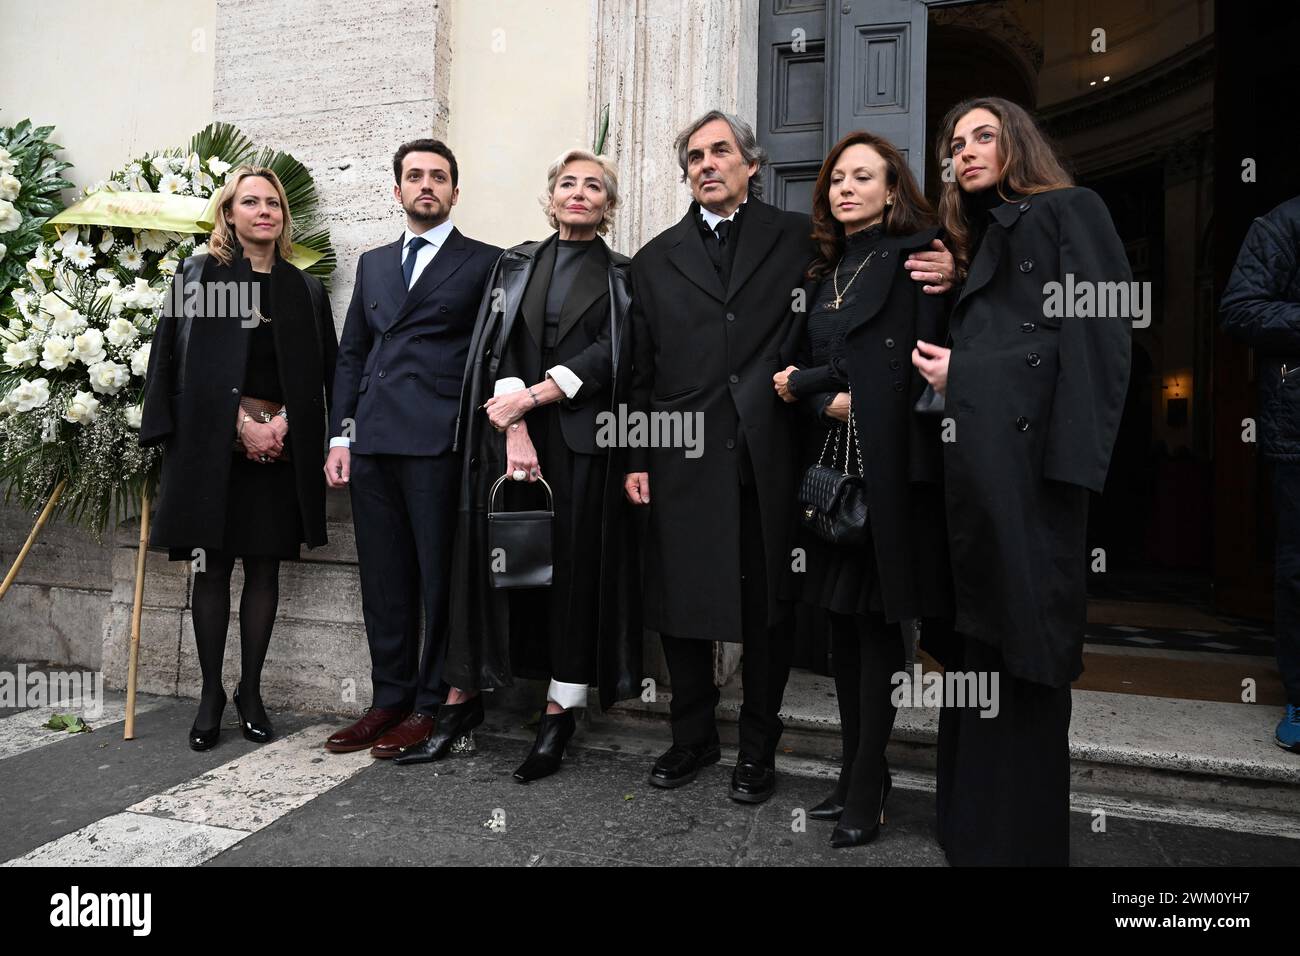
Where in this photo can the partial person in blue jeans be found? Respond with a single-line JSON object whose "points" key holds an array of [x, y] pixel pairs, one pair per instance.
{"points": [[1261, 306]]}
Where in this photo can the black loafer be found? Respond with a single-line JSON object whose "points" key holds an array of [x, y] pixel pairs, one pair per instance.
{"points": [[752, 782], [681, 762], [453, 722]]}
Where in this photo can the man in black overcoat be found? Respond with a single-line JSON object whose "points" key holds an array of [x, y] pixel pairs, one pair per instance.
{"points": [[392, 426]]}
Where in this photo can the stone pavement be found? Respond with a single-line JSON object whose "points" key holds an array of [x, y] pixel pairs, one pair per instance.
{"points": [[96, 799]]}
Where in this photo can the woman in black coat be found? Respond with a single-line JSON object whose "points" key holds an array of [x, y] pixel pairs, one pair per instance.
{"points": [[546, 360], [1034, 384], [863, 314], [239, 478]]}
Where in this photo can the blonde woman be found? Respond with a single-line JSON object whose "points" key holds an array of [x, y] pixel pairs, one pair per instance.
{"points": [[542, 369], [236, 392]]}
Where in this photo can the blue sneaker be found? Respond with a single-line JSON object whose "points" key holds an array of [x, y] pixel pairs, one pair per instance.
{"points": [[1287, 734]]}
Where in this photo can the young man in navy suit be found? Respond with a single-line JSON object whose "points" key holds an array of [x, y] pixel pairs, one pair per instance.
{"points": [[396, 396]]}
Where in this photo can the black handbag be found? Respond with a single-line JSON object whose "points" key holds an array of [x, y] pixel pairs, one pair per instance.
{"points": [[519, 543], [833, 501]]}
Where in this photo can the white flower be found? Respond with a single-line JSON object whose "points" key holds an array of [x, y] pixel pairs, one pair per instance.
{"points": [[4, 250], [171, 183], [108, 293], [217, 166], [203, 183], [106, 240], [136, 183], [120, 332], [89, 347], [68, 323], [140, 360], [6, 161], [108, 377], [29, 395], [200, 250], [83, 409], [9, 186], [190, 164], [133, 414], [152, 240], [162, 165], [131, 259], [58, 354], [21, 354], [167, 266], [67, 238], [43, 258], [80, 255], [53, 307], [10, 218]]}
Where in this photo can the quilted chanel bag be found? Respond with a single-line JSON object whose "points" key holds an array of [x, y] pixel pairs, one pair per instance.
{"points": [[519, 543], [833, 501]]}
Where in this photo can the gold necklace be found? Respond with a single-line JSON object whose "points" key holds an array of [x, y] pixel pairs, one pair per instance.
{"points": [[839, 296]]}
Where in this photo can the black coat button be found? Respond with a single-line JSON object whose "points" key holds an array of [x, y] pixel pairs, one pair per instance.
{"points": [[387, 336], [731, 317], [442, 308], [893, 364], [898, 386], [1033, 360], [410, 375], [1022, 423], [889, 343], [416, 340], [735, 379], [884, 254], [234, 391], [1027, 265], [1027, 326], [382, 374], [731, 443], [1024, 206], [374, 305]]}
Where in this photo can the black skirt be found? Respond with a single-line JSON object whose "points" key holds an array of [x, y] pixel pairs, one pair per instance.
{"points": [[262, 514]]}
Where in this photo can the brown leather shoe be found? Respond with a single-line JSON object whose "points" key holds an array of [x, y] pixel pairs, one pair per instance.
{"points": [[374, 723], [415, 729]]}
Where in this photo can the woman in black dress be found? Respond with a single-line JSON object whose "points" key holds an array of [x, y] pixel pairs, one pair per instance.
{"points": [[236, 388], [544, 364], [863, 315], [1034, 391]]}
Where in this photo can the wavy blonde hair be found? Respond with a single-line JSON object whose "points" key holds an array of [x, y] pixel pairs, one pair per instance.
{"points": [[608, 171], [223, 243]]}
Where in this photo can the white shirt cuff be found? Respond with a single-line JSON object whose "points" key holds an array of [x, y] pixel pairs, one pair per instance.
{"points": [[568, 382], [505, 385], [340, 442], [567, 695]]}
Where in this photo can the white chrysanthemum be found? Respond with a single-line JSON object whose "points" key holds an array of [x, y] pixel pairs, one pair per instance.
{"points": [[10, 218], [27, 396], [20, 354], [82, 410], [107, 378], [9, 186], [68, 323], [218, 166], [152, 240], [57, 354], [80, 255], [133, 414], [200, 250], [131, 259], [120, 332], [140, 360], [172, 183], [89, 347]]}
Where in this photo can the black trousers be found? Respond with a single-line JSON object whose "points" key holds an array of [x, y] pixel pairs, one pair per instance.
{"points": [[1003, 783], [1286, 575], [764, 664], [404, 513]]}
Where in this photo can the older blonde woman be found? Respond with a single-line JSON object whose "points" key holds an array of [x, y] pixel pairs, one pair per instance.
{"points": [[548, 356], [236, 391]]}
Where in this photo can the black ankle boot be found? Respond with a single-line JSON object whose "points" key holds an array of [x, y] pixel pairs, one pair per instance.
{"points": [[553, 732], [207, 739], [832, 807], [258, 733]]}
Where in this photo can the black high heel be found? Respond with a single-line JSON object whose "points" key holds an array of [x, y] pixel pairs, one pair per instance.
{"points": [[831, 808], [553, 732], [207, 739], [257, 733], [856, 836]]}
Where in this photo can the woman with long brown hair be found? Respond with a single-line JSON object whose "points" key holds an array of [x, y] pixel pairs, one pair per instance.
{"points": [[1033, 388], [854, 381], [236, 389]]}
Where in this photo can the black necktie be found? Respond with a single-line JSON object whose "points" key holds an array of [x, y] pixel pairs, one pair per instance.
{"points": [[722, 230], [412, 250]]}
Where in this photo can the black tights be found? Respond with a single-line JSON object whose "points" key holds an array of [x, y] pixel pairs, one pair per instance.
{"points": [[211, 607], [866, 653]]}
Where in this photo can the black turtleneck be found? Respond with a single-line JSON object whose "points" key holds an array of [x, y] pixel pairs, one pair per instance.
{"points": [[821, 368]]}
